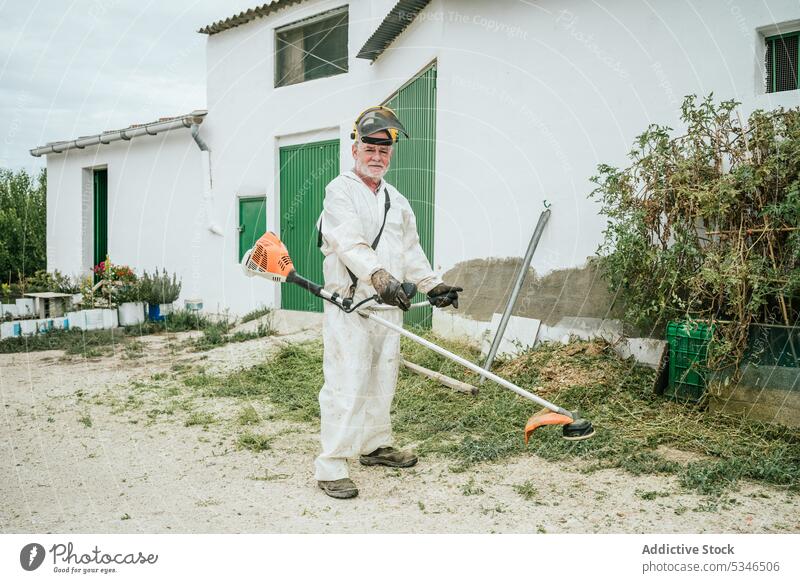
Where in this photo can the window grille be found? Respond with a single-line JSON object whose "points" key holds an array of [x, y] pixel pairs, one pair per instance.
{"points": [[781, 62], [312, 48]]}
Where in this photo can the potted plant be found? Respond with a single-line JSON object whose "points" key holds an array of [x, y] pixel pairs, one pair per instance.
{"points": [[160, 291], [130, 304], [115, 280]]}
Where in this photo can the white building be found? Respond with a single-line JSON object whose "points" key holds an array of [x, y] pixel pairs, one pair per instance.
{"points": [[510, 103]]}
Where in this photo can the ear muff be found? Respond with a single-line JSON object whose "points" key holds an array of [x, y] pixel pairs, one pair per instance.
{"points": [[394, 133]]}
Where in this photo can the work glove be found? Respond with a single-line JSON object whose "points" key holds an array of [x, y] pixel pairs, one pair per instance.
{"points": [[444, 295], [390, 291]]}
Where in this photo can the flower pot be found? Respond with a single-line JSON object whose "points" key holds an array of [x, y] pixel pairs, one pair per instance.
{"points": [[110, 319], [25, 307], [131, 313], [10, 330], [76, 320], [94, 319], [154, 312]]}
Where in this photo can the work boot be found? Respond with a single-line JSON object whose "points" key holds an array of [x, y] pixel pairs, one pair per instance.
{"points": [[389, 456], [343, 488]]}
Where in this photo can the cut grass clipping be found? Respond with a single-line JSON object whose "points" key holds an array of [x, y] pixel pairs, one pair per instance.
{"points": [[632, 423]]}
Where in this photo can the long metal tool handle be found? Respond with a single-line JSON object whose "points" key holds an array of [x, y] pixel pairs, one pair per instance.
{"points": [[465, 363], [512, 300]]}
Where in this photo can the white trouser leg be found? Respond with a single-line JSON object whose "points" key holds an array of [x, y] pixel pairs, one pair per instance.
{"points": [[360, 366]]}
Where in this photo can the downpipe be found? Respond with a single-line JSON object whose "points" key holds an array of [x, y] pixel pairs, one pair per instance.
{"points": [[205, 162]]}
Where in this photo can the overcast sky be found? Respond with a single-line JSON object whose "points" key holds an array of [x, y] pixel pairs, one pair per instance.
{"points": [[78, 67]]}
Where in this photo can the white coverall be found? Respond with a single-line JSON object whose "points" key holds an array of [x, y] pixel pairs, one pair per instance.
{"points": [[361, 358]]}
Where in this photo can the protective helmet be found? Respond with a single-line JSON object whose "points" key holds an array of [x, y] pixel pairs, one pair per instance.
{"points": [[376, 119]]}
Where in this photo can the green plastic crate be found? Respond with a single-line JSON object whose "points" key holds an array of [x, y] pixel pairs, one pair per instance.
{"points": [[688, 355]]}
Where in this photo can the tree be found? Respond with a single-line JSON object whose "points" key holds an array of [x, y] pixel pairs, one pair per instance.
{"points": [[23, 224]]}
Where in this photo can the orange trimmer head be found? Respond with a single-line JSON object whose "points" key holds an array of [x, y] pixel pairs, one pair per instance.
{"points": [[573, 428], [268, 258]]}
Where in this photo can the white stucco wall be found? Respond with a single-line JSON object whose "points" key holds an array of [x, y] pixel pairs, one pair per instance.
{"points": [[531, 97]]}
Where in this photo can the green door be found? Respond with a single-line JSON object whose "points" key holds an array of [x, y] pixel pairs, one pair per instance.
{"points": [[412, 170], [252, 222], [100, 216], [305, 171]]}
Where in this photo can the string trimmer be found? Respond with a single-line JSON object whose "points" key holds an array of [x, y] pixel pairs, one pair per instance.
{"points": [[270, 259]]}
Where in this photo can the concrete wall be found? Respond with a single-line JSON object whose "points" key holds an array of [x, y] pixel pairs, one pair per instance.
{"points": [[531, 97]]}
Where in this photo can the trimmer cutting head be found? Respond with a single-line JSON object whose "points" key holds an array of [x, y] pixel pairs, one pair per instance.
{"points": [[268, 258], [573, 428]]}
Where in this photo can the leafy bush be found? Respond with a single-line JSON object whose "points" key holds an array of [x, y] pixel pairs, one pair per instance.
{"points": [[44, 281], [705, 225], [23, 224]]}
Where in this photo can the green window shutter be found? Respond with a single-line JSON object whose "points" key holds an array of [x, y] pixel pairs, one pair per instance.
{"points": [[305, 171], [252, 222], [781, 62], [100, 216], [413, 167]]}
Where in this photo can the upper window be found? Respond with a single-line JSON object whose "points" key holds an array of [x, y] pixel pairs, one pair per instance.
{"points": [[312, 48], [781, 62]]}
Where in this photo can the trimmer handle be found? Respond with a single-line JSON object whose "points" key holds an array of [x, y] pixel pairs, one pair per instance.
{"points": [[306, 284]]}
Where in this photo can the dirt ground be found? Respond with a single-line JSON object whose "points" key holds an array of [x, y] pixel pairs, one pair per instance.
{"points": [[85, 448]]}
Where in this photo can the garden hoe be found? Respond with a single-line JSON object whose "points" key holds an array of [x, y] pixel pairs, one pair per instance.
{"points": [[270, 259]]}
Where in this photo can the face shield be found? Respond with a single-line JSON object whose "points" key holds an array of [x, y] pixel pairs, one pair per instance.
{"points": [[378, 119]]}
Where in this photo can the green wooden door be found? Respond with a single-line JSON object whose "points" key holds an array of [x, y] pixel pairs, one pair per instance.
{"points": [[100, 216], [412, 170], [304, 172], [252, 222]]}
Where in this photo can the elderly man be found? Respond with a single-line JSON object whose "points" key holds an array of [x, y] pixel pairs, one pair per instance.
{"points": [[368, 234]]}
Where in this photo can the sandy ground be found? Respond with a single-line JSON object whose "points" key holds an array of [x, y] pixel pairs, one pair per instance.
{"points": [[74, 458]]}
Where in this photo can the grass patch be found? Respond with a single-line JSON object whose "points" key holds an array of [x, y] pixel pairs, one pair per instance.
{"points": [[248, 416], [133, 349], [616, 394], [651, 494], [254, 441], [292, 379], [200, 418], [86, 420], [218, 334], [256, 314], [527, 490]]}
